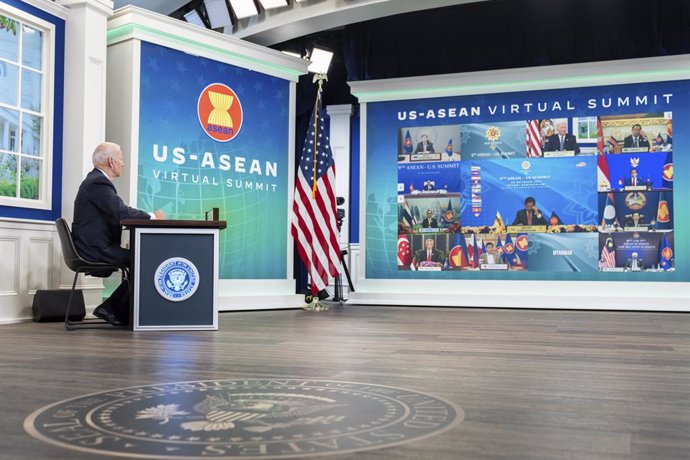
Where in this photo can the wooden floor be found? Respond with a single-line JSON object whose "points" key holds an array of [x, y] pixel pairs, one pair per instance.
{"points": [[533, 384]]}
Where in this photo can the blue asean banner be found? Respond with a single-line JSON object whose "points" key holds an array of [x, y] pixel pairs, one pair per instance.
{"points": [[216, 135]]}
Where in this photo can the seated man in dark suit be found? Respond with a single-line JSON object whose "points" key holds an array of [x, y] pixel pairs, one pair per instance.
{"points": [[636, 139], [634, 263], [429, 254], [429, 221], [96, 229], [530, 215], [425, 146], [562, 140], [634, 178], [635, 220]]}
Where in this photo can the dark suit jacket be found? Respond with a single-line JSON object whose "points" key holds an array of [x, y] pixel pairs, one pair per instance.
{"points": [[640, 181], [642, 142], [426, 223], [96, 229], [640, 264], [553, 143], [436, 255], [429, 147], [629, 222], [521, 218]]}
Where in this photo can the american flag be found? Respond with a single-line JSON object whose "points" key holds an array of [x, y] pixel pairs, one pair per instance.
{"points": [[533, 139], [314, 226], [608, 254]]}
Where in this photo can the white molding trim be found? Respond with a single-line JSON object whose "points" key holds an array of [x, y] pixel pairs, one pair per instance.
{"points": [[256, 294], [49, 7], [103, 6], [523, 294], [340, 109], [665, 68], [272, 302], [24, 224], [135, 23]]}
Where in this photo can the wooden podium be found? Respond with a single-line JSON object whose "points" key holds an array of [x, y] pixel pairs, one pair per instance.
{"points": [[174, 274]]}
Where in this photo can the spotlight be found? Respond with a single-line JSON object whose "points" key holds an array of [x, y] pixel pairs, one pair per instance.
{"points": [[270, 4], [193, 18], [244, 8], [320, 60], [218, 13]]}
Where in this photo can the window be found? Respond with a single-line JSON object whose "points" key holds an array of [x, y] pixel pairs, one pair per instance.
{"points": [[25, 102]]}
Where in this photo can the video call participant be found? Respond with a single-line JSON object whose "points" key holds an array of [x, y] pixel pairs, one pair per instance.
{"points": [[96, 229], [635, 220], [429, 221], [634, 178], [490, 256], [530, 215], [429, 254], [636, 139], [634, 263], [562, 140], [425, 146]]}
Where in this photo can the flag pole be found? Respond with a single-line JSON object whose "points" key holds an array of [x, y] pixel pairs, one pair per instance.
{"points": [[313, 299], [320, 78]]}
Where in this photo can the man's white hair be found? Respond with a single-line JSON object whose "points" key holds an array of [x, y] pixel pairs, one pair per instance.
{"points": [[103, 152]]}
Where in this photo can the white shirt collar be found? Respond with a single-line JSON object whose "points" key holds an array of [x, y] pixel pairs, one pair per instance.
{"points": [[105, 174]]}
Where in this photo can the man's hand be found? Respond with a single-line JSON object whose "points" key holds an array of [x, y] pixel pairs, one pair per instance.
{"points": [[159, 214], [536, 211]]}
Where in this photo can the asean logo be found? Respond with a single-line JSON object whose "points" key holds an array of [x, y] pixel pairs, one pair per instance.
{"points": [[509, 248], [663, 215], [456, 258], [176, 279], [668, 172], [667, 253], [522, 242], [220, 112]]}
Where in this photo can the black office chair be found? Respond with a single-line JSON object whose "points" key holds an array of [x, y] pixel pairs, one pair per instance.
{"points": [[79, 265]]}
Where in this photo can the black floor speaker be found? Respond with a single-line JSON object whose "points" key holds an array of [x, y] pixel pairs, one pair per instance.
{"points": [[51, 305]]}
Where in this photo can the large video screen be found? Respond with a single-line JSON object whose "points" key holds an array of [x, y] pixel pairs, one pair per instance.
{"points": [[570, 184]]}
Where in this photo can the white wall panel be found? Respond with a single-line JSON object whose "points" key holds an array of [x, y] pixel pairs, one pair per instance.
{"points": [[40, 263], [9, 269]]}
